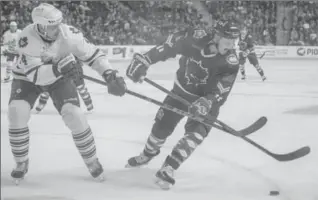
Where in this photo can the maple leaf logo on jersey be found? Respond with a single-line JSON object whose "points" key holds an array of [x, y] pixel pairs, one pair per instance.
{"points": [[23, 42], [195, 73], [199, 33]]}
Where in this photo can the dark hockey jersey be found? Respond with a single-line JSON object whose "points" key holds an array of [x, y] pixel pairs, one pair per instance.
{"points": [[202, 70], [246, 43]]}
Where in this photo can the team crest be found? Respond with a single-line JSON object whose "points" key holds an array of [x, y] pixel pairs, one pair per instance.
{"points": [[23, 42], [195, 73], [199, 33], [232, 59]]}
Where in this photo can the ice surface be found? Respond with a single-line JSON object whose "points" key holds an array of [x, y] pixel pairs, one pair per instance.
{"points": [[223, 168]]}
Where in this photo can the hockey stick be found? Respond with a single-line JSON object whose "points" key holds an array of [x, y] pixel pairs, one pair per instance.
{"points": [[258, 124], [280, 157], [158, 103]]}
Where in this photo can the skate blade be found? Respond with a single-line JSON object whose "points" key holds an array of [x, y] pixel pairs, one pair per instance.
{"points": [[164, 185], [17, 181], [131, 167], [100, 178]]}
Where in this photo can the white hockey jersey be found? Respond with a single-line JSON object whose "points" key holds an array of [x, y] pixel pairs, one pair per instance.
{"points": [[10, 40], [31, 46]]}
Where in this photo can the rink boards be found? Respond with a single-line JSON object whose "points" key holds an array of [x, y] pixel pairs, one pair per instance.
{"points": [[224, 167]]}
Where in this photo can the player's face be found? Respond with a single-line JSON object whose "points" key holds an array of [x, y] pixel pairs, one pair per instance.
{"points": [[49, 32], [13, 28], [226, 44]]}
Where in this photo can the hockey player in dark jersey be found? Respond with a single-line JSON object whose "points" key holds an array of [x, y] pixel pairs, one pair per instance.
{"points": [[207, 72], [81, 89], [246, 47]]}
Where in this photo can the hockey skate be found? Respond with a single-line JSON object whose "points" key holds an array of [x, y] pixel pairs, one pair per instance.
{"points": [[89, 108], [143, 159], [39, 107], [19, 172], [264, 78], [243, 78], [96, 170], [165, 177]]}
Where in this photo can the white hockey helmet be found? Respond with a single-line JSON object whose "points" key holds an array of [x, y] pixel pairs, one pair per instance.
{"points": [[13, 26], [48, 19]]}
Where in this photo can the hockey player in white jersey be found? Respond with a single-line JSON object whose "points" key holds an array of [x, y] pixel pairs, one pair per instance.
{"points": [[46, 64], [10, 39]]}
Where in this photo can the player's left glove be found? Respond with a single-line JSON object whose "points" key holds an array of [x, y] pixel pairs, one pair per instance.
{"points": [[116, 84], [138, 68], [201, 107]]}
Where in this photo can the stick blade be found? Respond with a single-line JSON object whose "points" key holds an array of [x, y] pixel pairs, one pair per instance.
{"points": [[254, 127], [293, 155]]}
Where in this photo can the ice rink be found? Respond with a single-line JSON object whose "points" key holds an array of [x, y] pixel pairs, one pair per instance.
{"points": [[222, 168]]}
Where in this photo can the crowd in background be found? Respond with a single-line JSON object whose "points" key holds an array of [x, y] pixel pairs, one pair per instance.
{"points": [[148, 22]]}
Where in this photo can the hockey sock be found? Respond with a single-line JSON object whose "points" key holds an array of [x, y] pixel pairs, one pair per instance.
{"points": [[153, 145], [85, 144], [82, 90], [9, 68], [19, 141], [259, 70], [184, 148]]}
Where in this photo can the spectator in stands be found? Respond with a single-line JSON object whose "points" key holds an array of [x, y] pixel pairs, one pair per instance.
{"points": [[147, 22]]}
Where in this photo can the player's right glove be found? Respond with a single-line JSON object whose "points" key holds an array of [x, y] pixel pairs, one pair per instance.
{"points": [[245, 53], [67, 67], [116, 84], [138, 68]]}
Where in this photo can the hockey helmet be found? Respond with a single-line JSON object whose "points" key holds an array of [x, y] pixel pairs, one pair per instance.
{"points": [[13, 26], [48, 19], [227, 29]]}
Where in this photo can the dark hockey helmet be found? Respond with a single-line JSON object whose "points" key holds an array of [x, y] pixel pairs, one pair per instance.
{"points": [[228, 29]]}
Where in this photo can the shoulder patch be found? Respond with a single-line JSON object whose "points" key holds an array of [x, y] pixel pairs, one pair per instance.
{"points": [[232, 59], [199, 33], [23, 42]]}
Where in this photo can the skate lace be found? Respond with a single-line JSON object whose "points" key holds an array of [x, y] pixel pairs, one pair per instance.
{"points": [[21, 167], [169, 170], [141, 158], [93, 166]]}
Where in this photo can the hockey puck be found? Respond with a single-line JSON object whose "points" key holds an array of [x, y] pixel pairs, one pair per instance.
{"points": [[274, 193]]}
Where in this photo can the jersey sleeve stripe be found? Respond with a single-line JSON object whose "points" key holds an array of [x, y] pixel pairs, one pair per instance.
{"points": [[31, 70], [93, 56], [91, 63]]}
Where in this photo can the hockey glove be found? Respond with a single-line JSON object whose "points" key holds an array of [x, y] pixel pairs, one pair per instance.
{"points": [[201, 107], [116, 84], [138, 67], [245, 53], [67, 67]]}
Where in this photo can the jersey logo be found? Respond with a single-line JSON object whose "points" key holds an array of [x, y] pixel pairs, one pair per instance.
{"points": [[232, 59], [199, 33], [23, 42], [195, 73]]}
